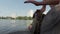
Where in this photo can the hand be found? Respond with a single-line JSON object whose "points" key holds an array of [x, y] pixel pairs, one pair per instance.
{"points": [[27, 2], [30, 27], [33, 2]]}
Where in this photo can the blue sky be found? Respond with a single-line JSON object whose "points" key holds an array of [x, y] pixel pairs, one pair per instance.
{"points": [[8, 7]]}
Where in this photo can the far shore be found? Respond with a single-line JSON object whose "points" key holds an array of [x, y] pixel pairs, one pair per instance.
{"points": [[17, 18]]}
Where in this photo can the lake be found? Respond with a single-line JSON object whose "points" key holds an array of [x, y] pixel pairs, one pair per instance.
{"points": [[8, 26]]}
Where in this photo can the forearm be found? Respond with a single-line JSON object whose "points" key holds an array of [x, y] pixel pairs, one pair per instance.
{"points": [[45, 3], [43, 8]]}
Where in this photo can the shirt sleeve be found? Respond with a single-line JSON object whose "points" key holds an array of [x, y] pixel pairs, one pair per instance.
{"points": [[50, 20]]}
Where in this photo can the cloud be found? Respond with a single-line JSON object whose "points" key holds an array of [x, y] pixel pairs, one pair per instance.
{"points": [[30, 13], [13, 15]]}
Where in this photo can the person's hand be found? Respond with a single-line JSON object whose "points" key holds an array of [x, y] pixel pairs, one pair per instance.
{"points": [[33, 2], [27, 1], [30, 27]]}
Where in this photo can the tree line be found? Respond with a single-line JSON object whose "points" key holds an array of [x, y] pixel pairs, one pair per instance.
{"points": [[19, 18]]}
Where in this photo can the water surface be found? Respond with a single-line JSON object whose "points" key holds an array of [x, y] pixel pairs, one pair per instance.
{"points": [[8, 26]]}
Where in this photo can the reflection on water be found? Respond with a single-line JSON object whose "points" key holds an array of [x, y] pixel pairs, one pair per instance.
{"points": [[13, 23], [7, 26], [28, 22]]}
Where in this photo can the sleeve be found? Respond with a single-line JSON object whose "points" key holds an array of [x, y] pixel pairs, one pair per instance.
{"points": [[50, 20]]}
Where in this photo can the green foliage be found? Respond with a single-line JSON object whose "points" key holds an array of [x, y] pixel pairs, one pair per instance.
{"points": [[19, 18], [24, 18]]}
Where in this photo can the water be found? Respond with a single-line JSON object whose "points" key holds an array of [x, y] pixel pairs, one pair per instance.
{"points": [[8, 26]]}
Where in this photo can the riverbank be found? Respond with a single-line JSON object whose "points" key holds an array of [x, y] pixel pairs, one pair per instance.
{"points": [[17, 18]]}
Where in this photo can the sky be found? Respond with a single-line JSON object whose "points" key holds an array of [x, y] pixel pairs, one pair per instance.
{"points": [[17, 7]]}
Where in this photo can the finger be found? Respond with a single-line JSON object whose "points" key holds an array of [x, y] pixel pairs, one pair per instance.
{"points": [[27, 2]]}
